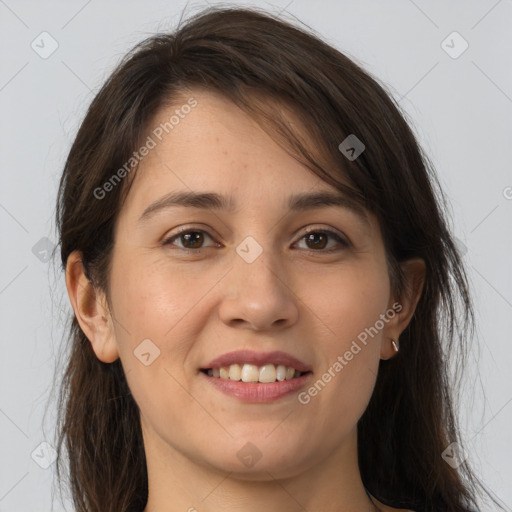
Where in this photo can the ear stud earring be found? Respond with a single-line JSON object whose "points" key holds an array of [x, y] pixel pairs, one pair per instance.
{"points": [[396, 344]]}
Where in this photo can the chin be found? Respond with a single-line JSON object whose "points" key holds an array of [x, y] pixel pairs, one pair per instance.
{"points": [[254, 461]]}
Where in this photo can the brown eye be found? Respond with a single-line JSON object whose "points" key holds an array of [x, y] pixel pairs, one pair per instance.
{"points": [[317, 240], [190, 240]]}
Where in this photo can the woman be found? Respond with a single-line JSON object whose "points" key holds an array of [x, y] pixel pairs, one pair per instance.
{"points": [[263, 282]]}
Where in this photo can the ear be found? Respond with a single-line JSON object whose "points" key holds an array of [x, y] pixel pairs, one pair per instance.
{"points": [[414, 272], [91, 310]]}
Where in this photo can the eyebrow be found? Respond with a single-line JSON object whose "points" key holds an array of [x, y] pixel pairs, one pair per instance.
{"points": [[213, 201]]}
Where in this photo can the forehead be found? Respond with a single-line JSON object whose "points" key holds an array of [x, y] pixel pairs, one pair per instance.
{"points": [[215, 146], [211, 138]]}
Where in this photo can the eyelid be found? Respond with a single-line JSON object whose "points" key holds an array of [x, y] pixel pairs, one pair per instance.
{"points": [[185, 229], [341, 238]]}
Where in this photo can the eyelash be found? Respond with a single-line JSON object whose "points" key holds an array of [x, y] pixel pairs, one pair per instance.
{"points": [[345, 244]]}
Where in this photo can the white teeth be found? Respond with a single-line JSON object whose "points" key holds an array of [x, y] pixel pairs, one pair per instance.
{"points": [[268, 373], [251, 373], [235, 372], [281, 372]]}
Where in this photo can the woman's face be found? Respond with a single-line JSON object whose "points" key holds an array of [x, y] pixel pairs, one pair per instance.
{"points": [[246, 278]]}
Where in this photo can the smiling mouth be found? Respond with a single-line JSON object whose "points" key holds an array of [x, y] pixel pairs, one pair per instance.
{"points": [[246, 372]]}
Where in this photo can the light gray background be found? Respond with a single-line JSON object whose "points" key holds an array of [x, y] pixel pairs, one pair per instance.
{"points": [[461, 109]]}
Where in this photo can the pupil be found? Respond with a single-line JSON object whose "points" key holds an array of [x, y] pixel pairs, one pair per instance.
{"points": [[312, 237], [189, 237]]}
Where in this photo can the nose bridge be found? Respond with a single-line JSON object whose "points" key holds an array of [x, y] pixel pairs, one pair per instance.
{"points": [[258, 293], [257, 262]]}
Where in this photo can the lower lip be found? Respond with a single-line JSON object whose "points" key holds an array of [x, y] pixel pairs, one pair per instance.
{"points": [[256, 391]]}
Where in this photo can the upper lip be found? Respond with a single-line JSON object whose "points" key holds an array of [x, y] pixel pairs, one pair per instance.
{"points": [[258, 359]]}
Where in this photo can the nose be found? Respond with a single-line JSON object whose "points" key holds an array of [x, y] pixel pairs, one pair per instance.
{"points": [[258, 296]]}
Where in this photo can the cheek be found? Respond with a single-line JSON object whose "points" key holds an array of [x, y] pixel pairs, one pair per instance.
{"points": [[152, 336], [150, 304], [350, 393], [148, 299], [349, 308], [349, 303]]}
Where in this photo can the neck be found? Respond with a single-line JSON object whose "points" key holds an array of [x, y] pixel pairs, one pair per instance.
{"points": [[176, 483]]}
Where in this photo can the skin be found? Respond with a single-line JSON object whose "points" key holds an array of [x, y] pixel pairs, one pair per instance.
{"points": [[194, 307]]}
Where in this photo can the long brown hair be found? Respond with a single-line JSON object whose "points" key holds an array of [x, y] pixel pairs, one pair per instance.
{"points": [[255, 60]]}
